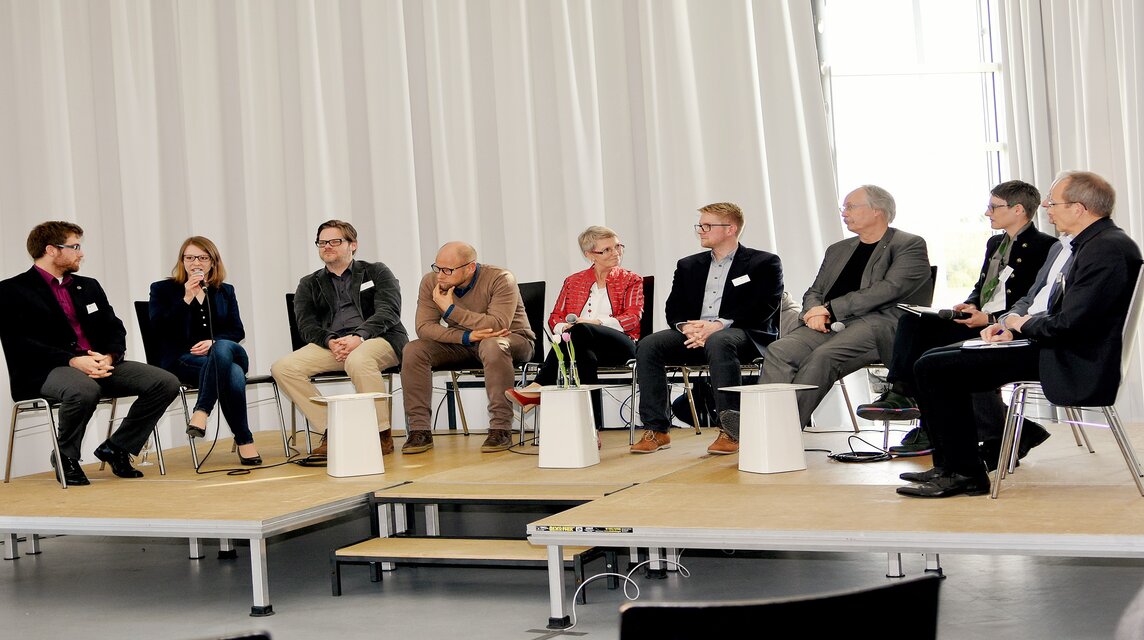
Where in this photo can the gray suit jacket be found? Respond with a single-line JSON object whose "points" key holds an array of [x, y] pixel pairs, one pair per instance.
{"points": [[898, 271]]}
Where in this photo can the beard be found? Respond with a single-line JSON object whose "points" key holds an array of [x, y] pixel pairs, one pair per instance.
{"points": [[66, 265]]}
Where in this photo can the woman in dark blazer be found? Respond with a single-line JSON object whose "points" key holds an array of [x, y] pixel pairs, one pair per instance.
{"points": [[604, 303], [195, 314]]}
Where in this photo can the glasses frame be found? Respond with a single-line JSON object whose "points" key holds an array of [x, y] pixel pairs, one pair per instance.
{"points": [[993, 207], [619, 248], [852, 206], [448, 270], [73, 247], [1050, 204], [705, 227], [333, 242], [196, 259]]}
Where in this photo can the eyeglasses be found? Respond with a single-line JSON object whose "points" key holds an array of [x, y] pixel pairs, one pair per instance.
{"points": [[704, 227], [993, 207], [197, 258], [336, 242], [619, 248], [1049, 204], [73, 247], [447, 270], [852, 206]]}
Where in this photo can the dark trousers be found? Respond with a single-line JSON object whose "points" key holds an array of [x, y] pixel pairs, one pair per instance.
{"points": [[220, 377], [78, 396], [948, 378], [917, 335], [724, 353], [595, 345]]}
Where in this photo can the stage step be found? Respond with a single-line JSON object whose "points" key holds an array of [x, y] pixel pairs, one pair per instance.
{"points": [[458, 551]]}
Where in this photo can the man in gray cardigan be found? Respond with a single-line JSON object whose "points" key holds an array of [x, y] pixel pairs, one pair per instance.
{"points": [[349, 313], [851, 308], [468, 314]]}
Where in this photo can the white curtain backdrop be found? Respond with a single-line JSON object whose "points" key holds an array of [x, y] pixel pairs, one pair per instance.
{"points": [[512, 124], [1074, 92]]}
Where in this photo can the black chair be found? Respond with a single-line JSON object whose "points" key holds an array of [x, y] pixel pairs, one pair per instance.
{"points": [[152, 348], [326, 377], [532, 296], [914, 601]]}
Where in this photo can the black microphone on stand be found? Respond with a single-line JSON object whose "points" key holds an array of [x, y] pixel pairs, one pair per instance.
{"points": [[950, 314]]}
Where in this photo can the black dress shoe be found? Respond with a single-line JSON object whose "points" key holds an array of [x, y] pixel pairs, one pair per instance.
{"points": [[948, 484], [73, 473], [250, 462], [1032, 435], [119, 460], [922, 476]]}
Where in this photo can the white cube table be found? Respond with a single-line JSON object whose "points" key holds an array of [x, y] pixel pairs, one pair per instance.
{"points": [[770, 435], [568, 427], [352, 445]]}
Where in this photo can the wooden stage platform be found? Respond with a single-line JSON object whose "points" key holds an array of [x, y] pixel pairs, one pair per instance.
{"points": [[1061, 501]]}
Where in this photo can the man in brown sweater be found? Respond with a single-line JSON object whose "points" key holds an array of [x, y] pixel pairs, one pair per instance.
{"points": [[468, 314]]}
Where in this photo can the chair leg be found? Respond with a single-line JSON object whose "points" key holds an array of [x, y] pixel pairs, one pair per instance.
{"points": [[110, 426], [1016, 406], [690, 399], [460, 404], [850, 408], [1076, 421], [187, 418], [632, 424], [282, 418], [12, 445], [1125, 445]]}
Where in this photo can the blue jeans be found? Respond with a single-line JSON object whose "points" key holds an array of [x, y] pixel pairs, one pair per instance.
{"points": [[220, 377]]}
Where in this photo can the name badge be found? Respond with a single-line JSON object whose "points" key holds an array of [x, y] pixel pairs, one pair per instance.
{"points": [[741, 280], [1005, 273], [368, 284], [92, 308]]}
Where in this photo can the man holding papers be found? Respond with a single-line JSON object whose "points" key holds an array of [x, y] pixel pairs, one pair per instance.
{"points": [[1012, 260], [1072, 317]]}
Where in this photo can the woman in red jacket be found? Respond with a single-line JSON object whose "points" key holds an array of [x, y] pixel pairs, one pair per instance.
{"points": [[600, 308]]}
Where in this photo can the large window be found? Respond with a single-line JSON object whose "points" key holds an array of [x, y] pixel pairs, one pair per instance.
{"points": [[910, 89]]}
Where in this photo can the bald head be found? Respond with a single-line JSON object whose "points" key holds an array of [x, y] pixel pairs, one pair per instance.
{"points": [[456, 253]]}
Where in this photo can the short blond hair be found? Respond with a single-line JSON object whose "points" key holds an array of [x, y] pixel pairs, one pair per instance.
{"points": [[728, 212], [592, 235]]}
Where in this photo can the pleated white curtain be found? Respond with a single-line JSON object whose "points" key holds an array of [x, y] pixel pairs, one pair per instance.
{"points": [[512, 124], [1075, 89]]}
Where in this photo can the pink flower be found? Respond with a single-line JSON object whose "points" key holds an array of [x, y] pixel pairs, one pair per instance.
{"points": [[566, 337]]}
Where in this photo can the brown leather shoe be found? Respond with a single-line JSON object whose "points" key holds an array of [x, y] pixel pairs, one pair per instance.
{"points": [[320, 450], [723, 445], [651, 442], [417, 441], [386, 441], [498, 440]]}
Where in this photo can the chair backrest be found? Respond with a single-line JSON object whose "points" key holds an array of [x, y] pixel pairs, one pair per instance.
{"points": [[915, 599], [151, 344], [1131, 326], [532, 295], [296, 341], [648, 318]]}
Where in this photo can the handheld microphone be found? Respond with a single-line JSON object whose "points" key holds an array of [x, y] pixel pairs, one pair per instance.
{"points": [[837, 326], [950, 314], [200, 273], [571, 318]]}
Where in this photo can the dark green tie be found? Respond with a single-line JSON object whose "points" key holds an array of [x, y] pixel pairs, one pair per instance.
{"points": [[991, 284]]}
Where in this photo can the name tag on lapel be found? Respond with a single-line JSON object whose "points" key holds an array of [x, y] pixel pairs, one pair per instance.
{"points": [[92, 308], [741, 280], [368, 284]]}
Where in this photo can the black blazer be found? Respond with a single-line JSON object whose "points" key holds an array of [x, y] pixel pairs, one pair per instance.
{"points": [[1025, 257], [379, 303], [752, 304], [36, 335], [1080, 336], [172, 319]]}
